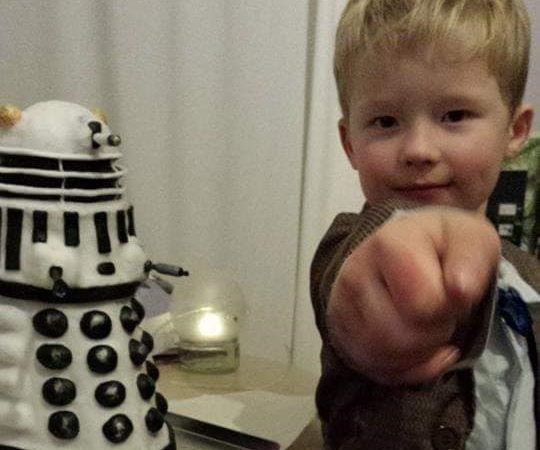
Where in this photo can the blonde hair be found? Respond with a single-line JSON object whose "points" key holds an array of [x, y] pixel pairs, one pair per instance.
{"points": [[497, 30]]}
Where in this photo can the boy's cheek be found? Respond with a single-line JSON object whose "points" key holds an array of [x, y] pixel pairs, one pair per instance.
{"points": [[481, 168]]}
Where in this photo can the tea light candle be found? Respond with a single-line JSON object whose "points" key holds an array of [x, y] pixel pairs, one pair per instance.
{"points": [[207, 311], [207, 341], [207, 326]]}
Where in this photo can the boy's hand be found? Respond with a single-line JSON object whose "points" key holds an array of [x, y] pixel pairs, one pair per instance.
{"points": [[401, 294]]}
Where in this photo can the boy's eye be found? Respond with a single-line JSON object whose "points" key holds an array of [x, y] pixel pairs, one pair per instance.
{"points": [[456, 116], [385, 122]]}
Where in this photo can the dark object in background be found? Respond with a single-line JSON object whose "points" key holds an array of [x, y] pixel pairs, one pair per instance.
{"points": [[206, 435], [506, 205]]}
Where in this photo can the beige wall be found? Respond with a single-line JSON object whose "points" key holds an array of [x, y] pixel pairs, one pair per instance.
{"points": [[533, 90]]}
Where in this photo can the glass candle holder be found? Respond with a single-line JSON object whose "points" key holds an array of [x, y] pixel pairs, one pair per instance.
{"points": [[206, 312], [207, 341]]}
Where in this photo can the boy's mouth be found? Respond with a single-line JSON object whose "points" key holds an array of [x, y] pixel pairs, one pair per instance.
{"points": [[432, 192]]}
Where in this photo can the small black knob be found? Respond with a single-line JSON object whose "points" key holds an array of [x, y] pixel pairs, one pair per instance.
{"points": [[114, 140]]}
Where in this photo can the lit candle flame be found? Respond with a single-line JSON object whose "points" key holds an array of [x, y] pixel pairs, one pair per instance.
{"points": [[211, 325]]}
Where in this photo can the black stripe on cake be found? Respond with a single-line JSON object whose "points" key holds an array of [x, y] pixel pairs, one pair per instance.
{"points": [[53, 197], [102, 232], [89, 183], [121, 226], [13, 238], [44, 197], [131, 221], [98, 199], [23, 179], [71, 229], [89, 166], [29, 162], [73, 295], [39, 230]]}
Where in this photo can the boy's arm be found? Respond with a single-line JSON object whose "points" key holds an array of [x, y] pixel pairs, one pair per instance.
{"points": [[346, 232], [404, 326]]}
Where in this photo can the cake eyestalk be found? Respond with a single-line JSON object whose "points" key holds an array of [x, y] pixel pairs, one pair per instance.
{"points": [[60, 288], [166, 269]]}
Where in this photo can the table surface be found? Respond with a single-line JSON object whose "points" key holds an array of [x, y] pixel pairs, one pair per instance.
{"points": [[254, 373]]}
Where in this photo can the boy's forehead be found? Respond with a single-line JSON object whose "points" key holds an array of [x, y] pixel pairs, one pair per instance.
{"points": [[372, 63], [372, 68], [392, 79]]}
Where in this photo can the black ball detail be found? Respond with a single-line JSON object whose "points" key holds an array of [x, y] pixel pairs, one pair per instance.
{"points": [[129, 319], [54, 356], [137, 352], [161, 403], [59, 391], [96, 324], [154, 420], [146, 386], [110, 394], [138, 308], [102, 359], [152, 370], [118, 428], [147, 340], [50, 323], [64, 425]]}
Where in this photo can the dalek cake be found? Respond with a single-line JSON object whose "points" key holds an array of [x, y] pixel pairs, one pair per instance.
{"points": [[75, 366]]}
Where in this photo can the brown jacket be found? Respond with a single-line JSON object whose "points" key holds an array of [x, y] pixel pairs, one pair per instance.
{"points": [[355, 412]]}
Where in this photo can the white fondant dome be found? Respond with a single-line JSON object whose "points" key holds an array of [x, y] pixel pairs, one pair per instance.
{"points": [[53, 126]]}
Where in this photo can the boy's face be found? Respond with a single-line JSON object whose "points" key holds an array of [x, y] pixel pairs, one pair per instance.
{"points": [[429, 131]]}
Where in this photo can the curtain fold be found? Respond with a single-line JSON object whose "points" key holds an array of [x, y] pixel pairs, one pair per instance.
{"points": [[329, 184]]}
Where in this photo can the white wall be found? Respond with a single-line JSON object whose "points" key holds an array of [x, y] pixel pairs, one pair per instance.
{"points": [[532, 93]]}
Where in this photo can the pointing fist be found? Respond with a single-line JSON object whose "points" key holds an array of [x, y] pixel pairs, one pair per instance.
{"points": [[402, 294]]}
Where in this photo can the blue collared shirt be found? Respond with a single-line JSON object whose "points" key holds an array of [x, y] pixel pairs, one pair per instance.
{"points": [[504, 418]]}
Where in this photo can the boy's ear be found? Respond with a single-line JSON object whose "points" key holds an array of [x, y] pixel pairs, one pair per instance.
{"points": [[520, 128], [345, 141]]}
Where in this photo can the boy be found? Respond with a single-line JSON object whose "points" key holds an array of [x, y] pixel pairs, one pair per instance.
{"points": [[405, 292]]}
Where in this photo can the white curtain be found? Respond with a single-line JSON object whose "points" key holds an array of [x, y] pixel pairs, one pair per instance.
{"points": [[208, 96], [330, 186]]}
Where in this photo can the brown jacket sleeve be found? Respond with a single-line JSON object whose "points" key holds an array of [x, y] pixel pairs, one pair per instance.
{"points": [[354, 410], [343, 236]]}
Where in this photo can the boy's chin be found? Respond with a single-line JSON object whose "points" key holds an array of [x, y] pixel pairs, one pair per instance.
{"points": [[429, 195], [432, 197]]}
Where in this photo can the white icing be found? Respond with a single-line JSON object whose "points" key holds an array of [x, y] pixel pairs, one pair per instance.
{"points": [[29, 190], [120, 171], [17, 417], [53, 126], [60, 131], [34, 411], [79, 263], [90, 156]]}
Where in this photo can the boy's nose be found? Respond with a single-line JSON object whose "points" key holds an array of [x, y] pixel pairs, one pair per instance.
{"points": [[419, 146]]}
